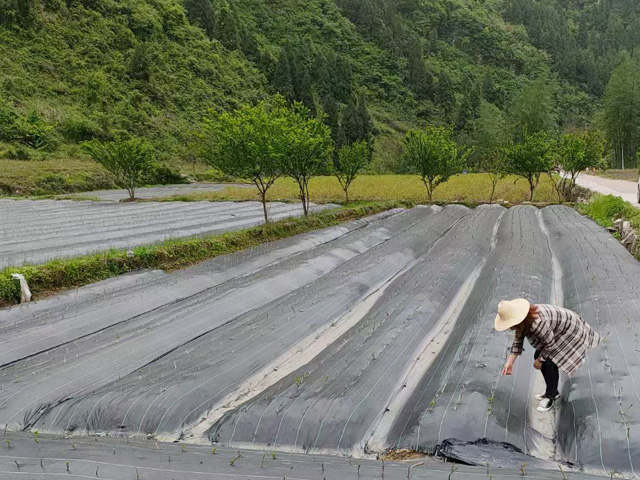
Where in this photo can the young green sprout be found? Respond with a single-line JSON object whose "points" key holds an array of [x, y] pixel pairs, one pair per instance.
{"points": [[233, 460], [184, 447], [213, 450], [522, 468], [68, 471], [273, 455], [8, 442]]}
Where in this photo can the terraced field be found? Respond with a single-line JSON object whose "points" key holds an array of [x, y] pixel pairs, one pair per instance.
{"points": [[356, 340], [38, 231]]}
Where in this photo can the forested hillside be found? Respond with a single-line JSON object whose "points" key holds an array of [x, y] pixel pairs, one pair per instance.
{"points": [[73, 70]]}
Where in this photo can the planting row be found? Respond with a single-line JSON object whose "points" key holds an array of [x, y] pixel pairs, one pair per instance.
{"points": [[38, 231]]}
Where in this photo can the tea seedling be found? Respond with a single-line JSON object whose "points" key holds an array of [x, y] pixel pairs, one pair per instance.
{"points": [[564, 475], [453, 470], [522, 468], [411, 467], [233, 460], [213, 450]]}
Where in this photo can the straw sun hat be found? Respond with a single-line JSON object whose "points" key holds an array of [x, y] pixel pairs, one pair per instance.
{"points": [[511, 313]]}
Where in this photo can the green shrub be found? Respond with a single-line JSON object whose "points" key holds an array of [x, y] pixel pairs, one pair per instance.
{"points": [[17, 153], [77, 128], [9, 130], [605, 209], [36, 133], [162, 174]]}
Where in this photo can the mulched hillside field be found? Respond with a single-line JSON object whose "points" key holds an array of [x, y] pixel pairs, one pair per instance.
{"points": [[353, 340]]}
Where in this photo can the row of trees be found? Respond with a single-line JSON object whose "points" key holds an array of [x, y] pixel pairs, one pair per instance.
{"points": [[271, 140], [275, 139], [435, 155], [261, 143]]}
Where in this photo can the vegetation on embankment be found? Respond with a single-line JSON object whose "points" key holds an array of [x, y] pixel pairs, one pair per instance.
{"points": [[64, 274], [606, 209], [73, 174], [468, 188]]}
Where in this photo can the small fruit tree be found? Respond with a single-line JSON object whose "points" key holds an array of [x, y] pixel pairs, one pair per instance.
{"points": [[250, 143], [127, 160], [434, 154]]}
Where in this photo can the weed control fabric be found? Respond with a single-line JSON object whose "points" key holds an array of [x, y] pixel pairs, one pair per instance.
{"points": [[360, 339], [38, 231]]}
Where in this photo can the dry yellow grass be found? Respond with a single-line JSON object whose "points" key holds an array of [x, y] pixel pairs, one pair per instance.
{"points": [[471, 188]]}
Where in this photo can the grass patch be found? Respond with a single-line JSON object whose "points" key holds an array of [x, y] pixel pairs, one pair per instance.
{"points": [[630, 175], [60, 275], [605, 209], [64, 175], [52, 176], [471, 188]]}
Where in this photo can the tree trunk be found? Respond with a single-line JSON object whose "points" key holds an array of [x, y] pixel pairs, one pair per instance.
{"points": [[346, 193], [494, 182], [263, 196], [307, 200], [303, 197], [532, 187]]}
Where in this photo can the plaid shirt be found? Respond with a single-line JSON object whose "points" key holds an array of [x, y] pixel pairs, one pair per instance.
{"points": [[561, 335]]}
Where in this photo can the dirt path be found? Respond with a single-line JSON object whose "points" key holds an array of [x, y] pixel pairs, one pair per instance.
{"points": [[609, 186]]}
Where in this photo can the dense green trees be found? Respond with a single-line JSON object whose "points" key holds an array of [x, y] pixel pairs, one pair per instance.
{"points": [[622, 112], [98, 69]]}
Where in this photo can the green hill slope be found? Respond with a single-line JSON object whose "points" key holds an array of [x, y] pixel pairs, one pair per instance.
{"points": [[71, 70]]}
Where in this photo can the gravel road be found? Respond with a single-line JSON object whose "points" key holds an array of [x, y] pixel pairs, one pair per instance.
{"points": [[608, 186]]}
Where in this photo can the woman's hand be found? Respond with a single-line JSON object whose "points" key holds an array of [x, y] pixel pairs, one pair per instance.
{"points": [[508, 366], [507, 369], [537, 364]]}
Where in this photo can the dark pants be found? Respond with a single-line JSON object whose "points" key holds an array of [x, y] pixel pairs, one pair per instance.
{"points": [[551, 376]]}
